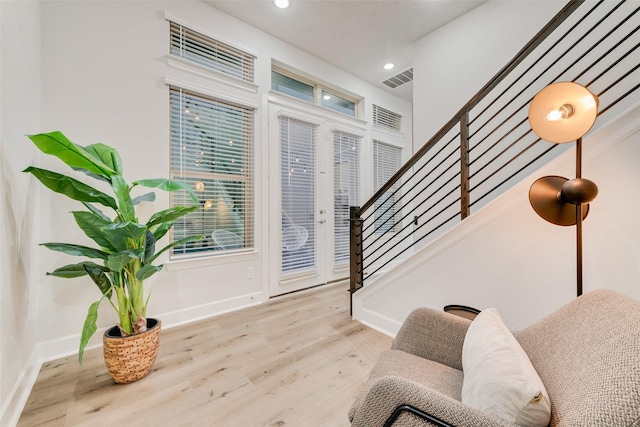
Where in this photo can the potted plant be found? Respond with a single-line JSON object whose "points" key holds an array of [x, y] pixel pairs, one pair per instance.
{"points": [[126, 250]]}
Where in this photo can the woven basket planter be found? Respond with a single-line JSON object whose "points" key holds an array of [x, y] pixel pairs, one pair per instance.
{"points": [[130, 358]]}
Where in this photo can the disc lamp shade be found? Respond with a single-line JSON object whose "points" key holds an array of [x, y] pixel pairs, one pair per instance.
{"points": [[563, 112]]}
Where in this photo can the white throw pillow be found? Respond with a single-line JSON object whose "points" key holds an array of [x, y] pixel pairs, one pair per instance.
{"points": [[499, 378]]}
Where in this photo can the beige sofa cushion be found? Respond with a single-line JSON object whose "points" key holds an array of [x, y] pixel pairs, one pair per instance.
{"points": [[499, 379], [587, 355]]}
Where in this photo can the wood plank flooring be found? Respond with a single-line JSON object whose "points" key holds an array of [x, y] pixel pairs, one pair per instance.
{"points": [[297, 360]]}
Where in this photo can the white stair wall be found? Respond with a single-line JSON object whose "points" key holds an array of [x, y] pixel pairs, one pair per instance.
{"points": [[505, 256]]}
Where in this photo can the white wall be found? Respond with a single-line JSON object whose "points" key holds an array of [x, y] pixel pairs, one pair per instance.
{"points": [[454, 62], [97, 71], [104, 81], [19, 271], [507, 257]]}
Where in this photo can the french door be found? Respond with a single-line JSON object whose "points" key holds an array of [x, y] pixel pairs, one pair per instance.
{"points": [[317, 181]]}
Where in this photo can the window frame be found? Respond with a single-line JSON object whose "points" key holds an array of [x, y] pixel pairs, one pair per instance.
{"points": [[318, 90], [247, 178], [244, 56]]}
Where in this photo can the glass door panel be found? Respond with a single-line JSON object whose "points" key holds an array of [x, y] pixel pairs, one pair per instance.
{"points": [[298, 197], [345, 192]]}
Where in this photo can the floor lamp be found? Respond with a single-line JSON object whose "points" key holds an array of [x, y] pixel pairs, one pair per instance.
{"points": [[560, 113]]}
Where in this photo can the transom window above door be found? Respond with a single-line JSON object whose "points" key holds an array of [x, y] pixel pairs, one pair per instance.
{"points": [[307, 90]]}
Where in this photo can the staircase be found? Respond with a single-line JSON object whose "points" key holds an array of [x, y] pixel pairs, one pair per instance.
{"points": [[488, 147]]}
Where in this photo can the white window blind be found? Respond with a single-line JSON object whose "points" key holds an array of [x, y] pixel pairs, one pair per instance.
{"points": [[345, 190], [298, 145], [193, 46], [386, 162], [212, 151], [386, 118]]}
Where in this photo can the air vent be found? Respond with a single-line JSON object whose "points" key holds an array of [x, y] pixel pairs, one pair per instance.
{"points": [[386, 118], [399, 79]]}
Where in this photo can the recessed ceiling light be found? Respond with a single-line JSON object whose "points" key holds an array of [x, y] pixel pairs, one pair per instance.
{"points": [[282, 4], [388, 65]]}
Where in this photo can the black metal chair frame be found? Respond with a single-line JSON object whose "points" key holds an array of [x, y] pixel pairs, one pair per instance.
{"points": [[417, 412]]}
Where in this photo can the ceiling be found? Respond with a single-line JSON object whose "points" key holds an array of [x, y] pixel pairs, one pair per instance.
{"points": [[358, 36]]}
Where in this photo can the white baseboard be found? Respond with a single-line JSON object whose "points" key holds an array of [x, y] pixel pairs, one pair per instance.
{"points": [[373, 320], [68, 345], [216, 308], [14, 404]]}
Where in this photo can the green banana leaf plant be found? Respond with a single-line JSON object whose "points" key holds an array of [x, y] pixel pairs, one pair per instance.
{"points": [[126, 248]]}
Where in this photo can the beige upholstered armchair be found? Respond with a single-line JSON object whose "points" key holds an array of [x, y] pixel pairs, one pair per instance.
{"points": [[586, 354]]}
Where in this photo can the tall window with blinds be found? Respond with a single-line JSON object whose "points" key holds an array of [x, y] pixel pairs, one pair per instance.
{"points": [[345, 190], [298, 191], [212, 151], [210, 53], [386, 162]]}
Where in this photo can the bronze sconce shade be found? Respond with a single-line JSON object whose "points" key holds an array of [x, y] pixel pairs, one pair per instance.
{"points": [[560, 113], [545, 196]]}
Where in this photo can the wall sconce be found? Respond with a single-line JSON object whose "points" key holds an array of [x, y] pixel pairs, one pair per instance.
{"points": [[560, 113]]}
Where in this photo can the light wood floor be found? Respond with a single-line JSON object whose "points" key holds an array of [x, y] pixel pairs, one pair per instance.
{"points": [[298, 361]]}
